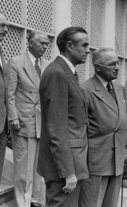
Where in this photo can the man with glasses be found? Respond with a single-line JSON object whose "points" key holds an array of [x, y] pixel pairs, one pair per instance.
{"points": [[25, 118], [106, 132], [3, 86]]}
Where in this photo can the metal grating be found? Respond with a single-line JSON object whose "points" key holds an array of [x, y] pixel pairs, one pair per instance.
{"points": [[91, 67], [12, 10], [81, 72], [11, 45], [119, 79], [48, 53], [79, 18], [40, 15], [96, 22], [79, 12], [126, 32], [119, 27], [125, 70]]}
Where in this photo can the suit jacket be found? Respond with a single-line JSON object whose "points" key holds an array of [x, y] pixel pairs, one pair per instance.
{"points": [[107, 127], [3, 95], [23, 95], [63, 144]]}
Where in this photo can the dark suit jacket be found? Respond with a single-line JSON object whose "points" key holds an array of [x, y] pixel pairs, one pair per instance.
{"points": [[63, 144], [107, 127], [3, 95], [3, 112]]}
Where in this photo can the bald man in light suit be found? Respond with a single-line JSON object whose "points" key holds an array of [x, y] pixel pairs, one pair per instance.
{"points": [[25, 118]]}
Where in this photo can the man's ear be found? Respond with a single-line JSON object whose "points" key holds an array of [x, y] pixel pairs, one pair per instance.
{"points": [[30, 43], [69, 45], [97, 67]]}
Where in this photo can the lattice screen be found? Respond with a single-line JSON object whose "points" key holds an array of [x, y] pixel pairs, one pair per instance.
{"points": [[96, 22], [91, 67], [125, 69], [81, 72], [79, 9], [40, 15], [119, 26], [126, 32], [12, 9], [119, 79], [11, 45]]}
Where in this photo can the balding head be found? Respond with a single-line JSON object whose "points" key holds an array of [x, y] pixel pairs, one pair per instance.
{"points": [[38, 43]]}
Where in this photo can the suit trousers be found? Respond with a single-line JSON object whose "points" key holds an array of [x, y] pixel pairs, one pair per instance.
{"points": [[55, 197], [100, 191], [28, 183], [3, 137]]}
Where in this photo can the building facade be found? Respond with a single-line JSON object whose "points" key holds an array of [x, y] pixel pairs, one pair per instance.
{"points": [[105, 21]]}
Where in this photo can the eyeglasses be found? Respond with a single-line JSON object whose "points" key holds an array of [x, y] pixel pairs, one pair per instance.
{"points": [[112, 64]]}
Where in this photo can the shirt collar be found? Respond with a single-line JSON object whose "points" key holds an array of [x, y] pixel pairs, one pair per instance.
{"points": [[32, 58], [104, 82], [71, 66]]}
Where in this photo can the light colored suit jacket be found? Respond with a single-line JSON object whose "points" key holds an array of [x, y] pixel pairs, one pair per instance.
{"points": [[107, 129], [23, 95], [63, 143]]}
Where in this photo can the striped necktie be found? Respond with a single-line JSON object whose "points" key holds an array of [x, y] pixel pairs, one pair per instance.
{"points": [[38, 69]]}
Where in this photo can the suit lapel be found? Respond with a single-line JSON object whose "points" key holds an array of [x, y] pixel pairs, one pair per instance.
{"points": [[4, 69], [101, 92], [70, 76], [120, 105], [31, 72]]}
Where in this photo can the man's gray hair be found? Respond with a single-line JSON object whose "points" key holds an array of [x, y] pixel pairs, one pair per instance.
{"points": [[34, 33], [96, 56]]}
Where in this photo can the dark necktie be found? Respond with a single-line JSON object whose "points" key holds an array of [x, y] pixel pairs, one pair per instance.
{"points": [[76, 76], [111, 91], [38, 69]]}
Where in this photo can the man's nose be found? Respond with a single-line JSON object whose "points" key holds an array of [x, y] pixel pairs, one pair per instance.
{"points": [[88, 50], [45, 45], [117, 67]]}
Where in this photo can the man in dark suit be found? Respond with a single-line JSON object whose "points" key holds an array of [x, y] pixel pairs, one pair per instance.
{"points": [[3, 99], [25, 118], [63, 144], [107, 130]]}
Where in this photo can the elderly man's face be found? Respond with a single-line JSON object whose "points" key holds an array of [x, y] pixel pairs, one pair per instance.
{"points": [[109, 67], [39, 45], [3, 26]]}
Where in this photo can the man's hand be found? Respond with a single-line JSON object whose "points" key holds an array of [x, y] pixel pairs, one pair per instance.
{"points": [[71, 182], [15, 125]]}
